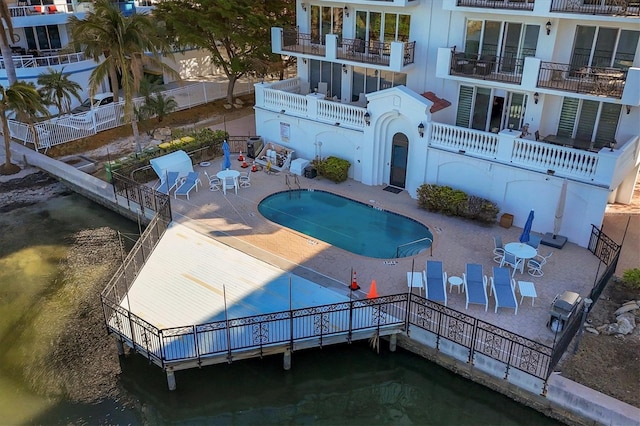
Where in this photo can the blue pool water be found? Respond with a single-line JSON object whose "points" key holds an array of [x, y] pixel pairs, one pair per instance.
{"points": [[348, 224]]}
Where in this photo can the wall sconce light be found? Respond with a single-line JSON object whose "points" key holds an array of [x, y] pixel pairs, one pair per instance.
{"points": [[536, 98], [281, 111], [421, 129], [304, 60], [628, 109], [304, 6], [551, 172], [548, 27], [346, 10], [612, 145], [344, 68], [461, 151], [367, 118]]}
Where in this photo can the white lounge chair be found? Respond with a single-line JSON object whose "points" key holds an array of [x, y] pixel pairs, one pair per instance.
{"points": [[189, 183]]}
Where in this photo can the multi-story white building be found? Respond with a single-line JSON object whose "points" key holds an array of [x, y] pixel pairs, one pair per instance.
{"points": [[41, 40], [504, 99]]}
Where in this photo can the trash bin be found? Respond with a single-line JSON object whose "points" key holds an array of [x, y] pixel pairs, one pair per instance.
{"points": [[506, 220], [310, 172]]}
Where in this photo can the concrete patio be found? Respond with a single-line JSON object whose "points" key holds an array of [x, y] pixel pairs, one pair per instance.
{"points": [[235, 220]]}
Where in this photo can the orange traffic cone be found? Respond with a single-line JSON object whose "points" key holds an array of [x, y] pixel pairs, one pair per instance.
{"points": [[244, 165], [354, 283], [254, 168], [240, 157], [373, 293]]}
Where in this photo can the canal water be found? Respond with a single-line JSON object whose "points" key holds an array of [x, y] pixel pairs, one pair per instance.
{"points": [[350, 384]]}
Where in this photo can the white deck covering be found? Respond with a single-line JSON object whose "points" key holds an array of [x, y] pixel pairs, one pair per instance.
{"points": [[182, 283]]}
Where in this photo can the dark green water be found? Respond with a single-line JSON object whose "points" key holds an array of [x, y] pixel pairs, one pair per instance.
{"points": [[336, 385]]}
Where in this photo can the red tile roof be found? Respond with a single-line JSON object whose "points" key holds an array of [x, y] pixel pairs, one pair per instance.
{"points": [[438, 103]]}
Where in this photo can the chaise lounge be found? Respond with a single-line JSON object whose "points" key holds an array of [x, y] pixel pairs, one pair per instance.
{"points": [[435, 280], [502, 287], [475, 286]]}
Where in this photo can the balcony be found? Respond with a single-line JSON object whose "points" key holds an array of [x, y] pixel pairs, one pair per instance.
{"points": [[394, 3], [597, 81], [393, 55], [487, 67], [43, 58], [597, 7], [498, 4]]}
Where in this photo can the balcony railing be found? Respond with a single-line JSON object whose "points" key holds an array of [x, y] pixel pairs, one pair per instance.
{"points": [[31, 61], [365, 51], [598, 7], [295, 41], [47, 9], [487, 67], [597, 81], [498, 4]]}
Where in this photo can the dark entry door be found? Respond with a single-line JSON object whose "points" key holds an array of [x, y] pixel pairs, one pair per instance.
{"points": [[399, 150]]}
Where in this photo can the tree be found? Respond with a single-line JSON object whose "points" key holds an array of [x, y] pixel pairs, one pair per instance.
{"points": [[57, 88], [237, 33], [24, 100], [160, 105], [6, 38], [125, 43]]}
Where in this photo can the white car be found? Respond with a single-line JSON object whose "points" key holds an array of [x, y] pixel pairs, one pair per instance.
{"points": [[99, 99]]}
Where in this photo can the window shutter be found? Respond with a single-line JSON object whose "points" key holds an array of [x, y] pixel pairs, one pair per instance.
{"points": [[568, 117], [465, 101], [587, 121], [608, 124]]}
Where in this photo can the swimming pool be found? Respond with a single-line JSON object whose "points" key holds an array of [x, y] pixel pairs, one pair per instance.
{"points": [[348, 224]]}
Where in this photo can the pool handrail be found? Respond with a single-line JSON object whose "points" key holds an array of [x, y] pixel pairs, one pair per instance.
{"points": [[414, 242]]}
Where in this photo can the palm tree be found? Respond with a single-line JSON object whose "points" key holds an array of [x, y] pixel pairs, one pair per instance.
{"points": [[57, 88], [160, 105], [123, 42], [23, 99], [6, 38]]}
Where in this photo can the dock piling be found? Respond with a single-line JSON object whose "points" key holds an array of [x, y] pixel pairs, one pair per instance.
{"points": [[171, 379], [287, 360]]}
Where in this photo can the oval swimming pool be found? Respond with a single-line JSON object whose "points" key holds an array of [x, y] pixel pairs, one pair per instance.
{"points": [[345, 223]]}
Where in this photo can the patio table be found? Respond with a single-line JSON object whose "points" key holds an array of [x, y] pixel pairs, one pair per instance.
{"points": [[228, 174], [521, 251]]}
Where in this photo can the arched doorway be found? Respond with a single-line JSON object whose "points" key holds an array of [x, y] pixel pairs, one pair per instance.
{"points": [[399, 151]]}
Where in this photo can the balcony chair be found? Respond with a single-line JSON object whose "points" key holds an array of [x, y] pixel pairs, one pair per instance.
{"points": [[534, 241], [485, 64], [245, 179]]}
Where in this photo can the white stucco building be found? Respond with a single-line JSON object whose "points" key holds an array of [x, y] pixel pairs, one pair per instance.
{"points": [[503, 99]]}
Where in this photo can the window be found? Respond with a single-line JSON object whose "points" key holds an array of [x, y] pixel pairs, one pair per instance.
{"points": [[43, 37], [604, 47], [377, 27], [366, 80], [327, 72], [511, 41], [593, 121], [486, 109], [325, 20]]}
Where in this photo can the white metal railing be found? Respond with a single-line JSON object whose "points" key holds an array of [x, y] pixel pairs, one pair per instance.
{"points": [[31, 61], [68, 128], [46, 9]]}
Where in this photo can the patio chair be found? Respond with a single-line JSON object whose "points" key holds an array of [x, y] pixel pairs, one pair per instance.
{"points": [[511, 260], [245, 179], [534, 241], [475, 286], [498, 249], [189, 183], [534, 266], [435, 282], [168, 183], [502, 287], [214, 182]]}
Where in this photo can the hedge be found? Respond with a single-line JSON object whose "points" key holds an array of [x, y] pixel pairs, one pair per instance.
{"points": [[454, 202], [333, 168]]}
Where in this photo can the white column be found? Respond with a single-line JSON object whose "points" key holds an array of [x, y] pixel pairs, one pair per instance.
{"points": [[171, 379], [287, 360]]}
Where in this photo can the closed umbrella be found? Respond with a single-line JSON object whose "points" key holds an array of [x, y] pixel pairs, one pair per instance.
{"points": [[524, 237], [557, 221], [226, 164]]}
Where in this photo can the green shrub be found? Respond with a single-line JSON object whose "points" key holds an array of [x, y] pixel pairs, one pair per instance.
{"points": [[631, 278], [454, 202], [333, 168]]}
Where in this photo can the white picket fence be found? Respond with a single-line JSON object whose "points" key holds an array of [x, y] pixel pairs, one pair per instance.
{"points": [[68, 128]]}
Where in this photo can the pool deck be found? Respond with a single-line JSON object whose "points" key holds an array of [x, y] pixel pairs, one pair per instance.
{"points": [[235, 221]]}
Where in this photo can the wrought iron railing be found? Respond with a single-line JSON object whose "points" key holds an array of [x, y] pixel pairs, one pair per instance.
{"points": [[487, 67], [600, 81], [608, 251], [295, 41], [365, 51], [498, 4], [409, 52], [598, 7]]}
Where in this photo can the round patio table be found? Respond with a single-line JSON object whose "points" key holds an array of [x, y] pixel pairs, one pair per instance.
{"points": [[228, 174], [521, 250]]}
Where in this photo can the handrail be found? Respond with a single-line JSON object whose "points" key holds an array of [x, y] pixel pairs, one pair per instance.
{"points": [[416, 241]]}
